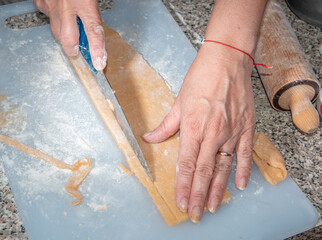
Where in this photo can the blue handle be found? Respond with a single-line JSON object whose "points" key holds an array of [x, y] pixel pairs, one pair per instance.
{"points": [[83, 45]]}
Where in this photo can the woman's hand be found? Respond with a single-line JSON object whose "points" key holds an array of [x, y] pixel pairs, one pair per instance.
{"points": [[215, 112], [215, 109], [63, 23]]}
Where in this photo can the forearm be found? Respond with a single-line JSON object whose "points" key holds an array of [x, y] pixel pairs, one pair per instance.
{"points": [[236, 22]]}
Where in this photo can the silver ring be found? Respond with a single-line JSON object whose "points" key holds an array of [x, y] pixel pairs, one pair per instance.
{"points": [[225, 154]]}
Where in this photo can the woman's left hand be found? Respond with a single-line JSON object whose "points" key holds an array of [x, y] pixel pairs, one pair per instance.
{"points": [[215, 112]]}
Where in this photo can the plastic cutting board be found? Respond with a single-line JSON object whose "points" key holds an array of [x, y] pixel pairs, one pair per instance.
{"points": [[50, 111]]}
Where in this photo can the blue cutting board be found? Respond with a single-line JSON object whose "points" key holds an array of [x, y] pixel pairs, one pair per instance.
{"points": [[49, 110]]}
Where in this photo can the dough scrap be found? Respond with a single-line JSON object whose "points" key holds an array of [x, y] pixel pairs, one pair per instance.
{"points": [[81, 168], [125, 169], [268, 159]]}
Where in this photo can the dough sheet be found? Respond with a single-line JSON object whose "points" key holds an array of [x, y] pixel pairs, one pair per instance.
{"points": [[146, 100]]}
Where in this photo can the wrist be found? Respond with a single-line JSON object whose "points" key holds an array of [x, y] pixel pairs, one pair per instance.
{"points": [[234, 48], [242, 41], [223, 56], [236, 23]]}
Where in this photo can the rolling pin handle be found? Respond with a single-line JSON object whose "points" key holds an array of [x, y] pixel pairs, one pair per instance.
{"points": [[304, 115]]}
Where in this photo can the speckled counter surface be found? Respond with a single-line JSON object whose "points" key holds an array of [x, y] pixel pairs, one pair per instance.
{"points": [[302, 152]]}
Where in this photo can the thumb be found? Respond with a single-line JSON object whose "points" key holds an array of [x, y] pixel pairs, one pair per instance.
{"points": [[95, 33], [169, 126]]}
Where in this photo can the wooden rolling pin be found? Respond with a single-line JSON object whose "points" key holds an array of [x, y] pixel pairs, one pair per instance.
{"points": [[291, 83]]}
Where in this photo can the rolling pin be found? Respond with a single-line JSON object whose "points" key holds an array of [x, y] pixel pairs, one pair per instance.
{"points": [[290, 84]]}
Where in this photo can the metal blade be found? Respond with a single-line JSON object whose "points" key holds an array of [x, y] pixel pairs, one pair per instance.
{"points": [[109, 95], [120, 117]]}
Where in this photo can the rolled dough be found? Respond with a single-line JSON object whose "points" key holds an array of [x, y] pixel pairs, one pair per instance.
{"points": [[145, 100]]}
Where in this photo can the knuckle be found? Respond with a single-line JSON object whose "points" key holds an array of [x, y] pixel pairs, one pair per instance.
{"points": [[68, 40], [218, 189], [219, 124], [183, 189], [223, 166], [95, 29], [204, 170], [186, 167], [198, 195], [245, 169], [192, 123], [245, 150]]}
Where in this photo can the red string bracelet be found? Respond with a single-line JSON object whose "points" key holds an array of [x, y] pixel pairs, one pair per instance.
{"points": [[256, 64]]}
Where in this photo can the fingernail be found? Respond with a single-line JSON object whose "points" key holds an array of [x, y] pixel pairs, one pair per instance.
{"points": [[183, 205], [214, 205], [196, 214], [75, 52], [146, 134], [242, 184], [100, 63]]}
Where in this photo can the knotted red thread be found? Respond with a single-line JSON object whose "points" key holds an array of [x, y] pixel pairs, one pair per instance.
{"points": [[256, 64]]}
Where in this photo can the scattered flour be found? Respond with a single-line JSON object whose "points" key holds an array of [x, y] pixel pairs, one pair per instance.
{"points": [[259, 191], [98, 207], [12, 119], [15, 45], [51, 112]]}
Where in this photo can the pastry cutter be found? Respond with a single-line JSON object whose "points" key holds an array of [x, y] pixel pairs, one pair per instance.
{"points": [[109, 94]]}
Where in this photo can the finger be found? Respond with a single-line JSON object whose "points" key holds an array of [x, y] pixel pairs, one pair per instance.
{"points": [[69, 34], [42, 6], [168, 127], [222, 170], [95, 34], [201, 180], [188, 153], [244, 149], [55, 25]]}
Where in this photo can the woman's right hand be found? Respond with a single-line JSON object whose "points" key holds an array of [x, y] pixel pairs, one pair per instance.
{"points": [[63, 23]]}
